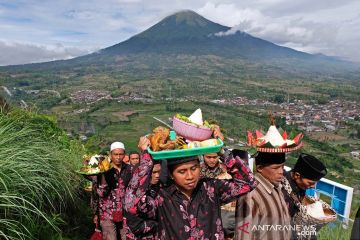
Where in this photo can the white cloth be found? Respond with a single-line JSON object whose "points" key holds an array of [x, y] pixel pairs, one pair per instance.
{"points": [[117, 145]]}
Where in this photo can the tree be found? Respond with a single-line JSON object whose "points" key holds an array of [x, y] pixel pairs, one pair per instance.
{"points": [[278, 98]]}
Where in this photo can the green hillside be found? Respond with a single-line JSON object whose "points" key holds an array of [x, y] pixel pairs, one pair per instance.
{"points": [[40, 194]]}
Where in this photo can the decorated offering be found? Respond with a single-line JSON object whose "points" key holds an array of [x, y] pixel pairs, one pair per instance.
{"points": [[319, 210], [192, 128], [95, 165], [316, 210], [193, 149], [273, 141], [160, 140], [209, 143], [191, 137]]}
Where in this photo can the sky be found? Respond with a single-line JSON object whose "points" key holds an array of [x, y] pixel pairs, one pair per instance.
{"points": [[44, 30]]}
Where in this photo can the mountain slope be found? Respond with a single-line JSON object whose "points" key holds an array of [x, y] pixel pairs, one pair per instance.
{"points": [[186, 33]]}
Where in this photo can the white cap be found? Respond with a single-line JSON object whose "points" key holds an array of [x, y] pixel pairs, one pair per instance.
{"points": [[116, 145]]}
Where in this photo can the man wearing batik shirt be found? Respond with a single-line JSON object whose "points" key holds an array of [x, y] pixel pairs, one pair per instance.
{"points": [[139, 227], [213, 168], [111, 191], [263, 213], [188, 207], [306, 172]]}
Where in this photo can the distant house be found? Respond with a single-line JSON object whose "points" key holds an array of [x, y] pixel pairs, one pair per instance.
{"points": [[311, 128], [300, 122], [330, 127], [218, 101], [83, 137], [355, 154], [317, 117]]}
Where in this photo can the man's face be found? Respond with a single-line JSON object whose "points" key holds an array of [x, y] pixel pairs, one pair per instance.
{"points": [[211, 159], [273, 173], [303, 183], [134, 159], [117, 155], [186, 176], [155, 176]]}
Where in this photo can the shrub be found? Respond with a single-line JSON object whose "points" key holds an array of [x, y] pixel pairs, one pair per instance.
{"points": [[37, 182]]}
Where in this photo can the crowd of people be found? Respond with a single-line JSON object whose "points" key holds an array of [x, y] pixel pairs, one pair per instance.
{"points": [[213, 196]]}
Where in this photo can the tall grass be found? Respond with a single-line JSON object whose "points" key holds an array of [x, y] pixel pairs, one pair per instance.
{"points": [[37, 182], [336, 231]]}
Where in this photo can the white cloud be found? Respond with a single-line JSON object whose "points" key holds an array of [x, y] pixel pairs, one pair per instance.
{"points": [[13, 53], [318, 32], [229, 14]]}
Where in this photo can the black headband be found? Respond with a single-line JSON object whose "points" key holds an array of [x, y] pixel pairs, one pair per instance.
{"points": [[264, 158], [175, 161], [310, 167]]}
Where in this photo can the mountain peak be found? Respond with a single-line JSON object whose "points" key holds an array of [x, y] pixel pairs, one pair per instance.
{"points": [[181, 25], [188, 32], [188, 17]]}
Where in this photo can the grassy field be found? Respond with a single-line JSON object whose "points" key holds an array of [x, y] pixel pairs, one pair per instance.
{"points": [[335, 231]]}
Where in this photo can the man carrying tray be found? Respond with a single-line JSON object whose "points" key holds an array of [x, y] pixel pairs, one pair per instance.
{"points": [[212, 167], [263, 213], [306, 172], [265, 207], [188, 207], [111, 192], [141, 227]]}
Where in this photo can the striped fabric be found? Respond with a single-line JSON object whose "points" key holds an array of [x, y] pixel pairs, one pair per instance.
{"points": [[263, 213]]}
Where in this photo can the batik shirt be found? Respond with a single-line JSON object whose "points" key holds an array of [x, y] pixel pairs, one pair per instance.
{"points": [[299, 193], [218, 172], [139, 227], [179, 217], [136, 228], [206, 172], [112, 194]]}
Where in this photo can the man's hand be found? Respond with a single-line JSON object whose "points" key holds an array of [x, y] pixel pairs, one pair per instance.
{"points": [[144, 142], [217, 133], [95, 219]]}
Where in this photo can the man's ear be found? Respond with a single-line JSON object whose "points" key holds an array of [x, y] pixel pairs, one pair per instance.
{"points": [[259, 168], [297, 175]]}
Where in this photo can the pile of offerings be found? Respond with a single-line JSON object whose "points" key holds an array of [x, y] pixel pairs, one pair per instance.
{"points": [[273, 141], [190, 136], [95, 164], [192, 128], [316, 210]]}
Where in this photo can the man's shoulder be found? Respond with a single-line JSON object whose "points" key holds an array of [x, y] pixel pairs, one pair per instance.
{"points": [[128, 167], [259, 194], [252, 199]]}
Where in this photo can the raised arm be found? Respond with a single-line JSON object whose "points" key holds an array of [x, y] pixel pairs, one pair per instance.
{"points": [[139, 226], [242, 181], [101, 186], [137, 198]]}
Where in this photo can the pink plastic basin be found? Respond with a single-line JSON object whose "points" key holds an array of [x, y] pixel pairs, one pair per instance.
{"points": [[190, 131]]}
